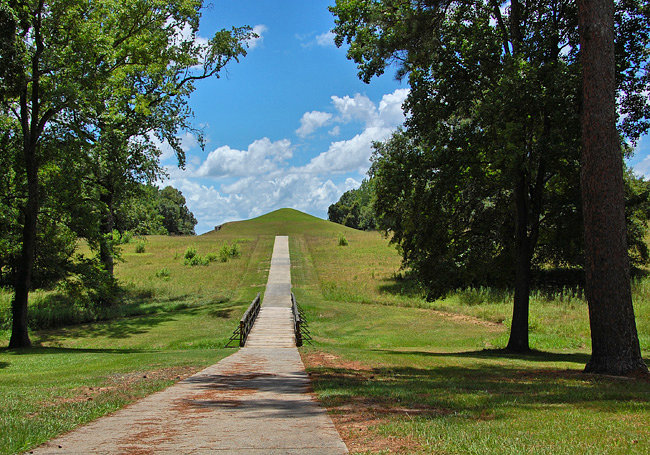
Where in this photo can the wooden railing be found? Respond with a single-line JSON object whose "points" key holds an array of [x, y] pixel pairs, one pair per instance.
{"points": [[246, 322], [300, 328]]}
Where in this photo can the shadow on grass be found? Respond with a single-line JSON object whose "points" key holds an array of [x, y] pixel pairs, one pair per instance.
{"points": [[117, 329], [38, 350], [4, 365], [482, 392], [533, 356], [402, 285]]}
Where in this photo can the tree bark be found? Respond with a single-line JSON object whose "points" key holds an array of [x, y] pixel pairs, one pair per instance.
{"points": [[518, 341], [19, 331], [106, 228], [615, 344]]}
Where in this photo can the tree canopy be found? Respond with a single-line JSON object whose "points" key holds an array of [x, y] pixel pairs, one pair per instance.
{"points": [[86, 89], [484, 180]]}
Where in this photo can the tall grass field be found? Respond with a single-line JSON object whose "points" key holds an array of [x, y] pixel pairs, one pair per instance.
{"points": [[397, 373]]}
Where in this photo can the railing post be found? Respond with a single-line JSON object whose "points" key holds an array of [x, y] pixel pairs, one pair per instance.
{"points": [[242, 334]]}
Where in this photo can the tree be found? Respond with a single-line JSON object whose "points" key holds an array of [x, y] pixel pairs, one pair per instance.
{"points": [[493, 128], [355, 208], [615, 343], [177, 218], [68, 52]]}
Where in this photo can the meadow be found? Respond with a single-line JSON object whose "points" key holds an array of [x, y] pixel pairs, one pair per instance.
{"points": [[398, 374]]}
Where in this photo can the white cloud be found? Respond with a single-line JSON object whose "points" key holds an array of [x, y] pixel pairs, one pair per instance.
{"points": [[325, 39], [235, 184], [259, 30], [352, 155], [390, 107], [262, 156], [359, 107], [311, 121]]}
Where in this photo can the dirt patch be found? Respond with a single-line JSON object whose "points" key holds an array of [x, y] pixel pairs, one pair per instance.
{"points": [[358, 419], [121, 384], [314, 359]]}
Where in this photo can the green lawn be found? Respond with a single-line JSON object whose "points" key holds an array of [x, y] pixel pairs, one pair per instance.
{"points": [[78, 373], [398, 373]]}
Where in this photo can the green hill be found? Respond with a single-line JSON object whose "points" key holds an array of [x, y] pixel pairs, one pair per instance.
{"points": [[282, 222]]}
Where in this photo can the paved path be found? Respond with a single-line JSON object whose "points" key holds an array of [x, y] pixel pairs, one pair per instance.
{"points": [[252, 402]]}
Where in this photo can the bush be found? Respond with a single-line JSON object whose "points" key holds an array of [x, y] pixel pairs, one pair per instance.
{"points": [[235, 252], [197, 260], [140, 246], [224, 253], [229, 251], [163, 273], [342, 240], [211, 257], [190, 252]]}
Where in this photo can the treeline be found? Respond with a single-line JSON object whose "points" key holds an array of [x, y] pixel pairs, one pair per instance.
{"points": [[88, 91], [355, 208], [483, 184]]}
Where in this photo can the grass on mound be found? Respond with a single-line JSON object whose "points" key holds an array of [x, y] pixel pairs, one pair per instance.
{"points": [[178, 324], [400, 374], [397, 372]]}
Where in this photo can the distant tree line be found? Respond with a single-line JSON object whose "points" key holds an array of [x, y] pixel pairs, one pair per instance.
{"points": [[87, 91], [483, 184], [355, 208]]}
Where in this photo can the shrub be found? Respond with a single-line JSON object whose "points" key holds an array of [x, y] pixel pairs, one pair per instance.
{"points": [[197, 260], [190, 252], [224, 253], [140, 246], [342, 240], [211, 257], [235, 252], [163, 273]]}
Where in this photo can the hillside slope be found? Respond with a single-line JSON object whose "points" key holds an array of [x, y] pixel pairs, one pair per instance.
{"points": [[281, 222]]}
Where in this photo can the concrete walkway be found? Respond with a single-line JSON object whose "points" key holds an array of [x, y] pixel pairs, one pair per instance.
{"points": [[255, 401]]}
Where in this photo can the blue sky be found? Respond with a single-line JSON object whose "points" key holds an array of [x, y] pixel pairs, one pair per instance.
{"points": [[291, 125]]}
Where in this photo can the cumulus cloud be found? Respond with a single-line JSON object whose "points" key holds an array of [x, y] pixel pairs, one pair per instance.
{"points": [[259, 30], [311, 121], [380, 121], [233, 184], [349, 155], [359, 108], [325, 39], [262, 156]]}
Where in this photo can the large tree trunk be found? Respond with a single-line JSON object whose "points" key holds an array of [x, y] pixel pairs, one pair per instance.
{"points": [[19, 333], [106, 228], [518, 341], [615, 344]]}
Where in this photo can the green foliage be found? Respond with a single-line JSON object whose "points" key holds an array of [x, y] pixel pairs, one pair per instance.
{"points": [[176, 217], [190, 252], [197, 260], [484, 181], [163, 273], [229, 251], [342, 240], [140, 246], [355, 208]]}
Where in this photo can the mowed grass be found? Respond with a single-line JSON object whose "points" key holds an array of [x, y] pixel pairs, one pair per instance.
{"points": [[80, 372], [400, 374]]}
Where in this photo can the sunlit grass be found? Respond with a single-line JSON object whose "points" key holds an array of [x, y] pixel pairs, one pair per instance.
{"points": [[416, 372], [432, 371]]}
